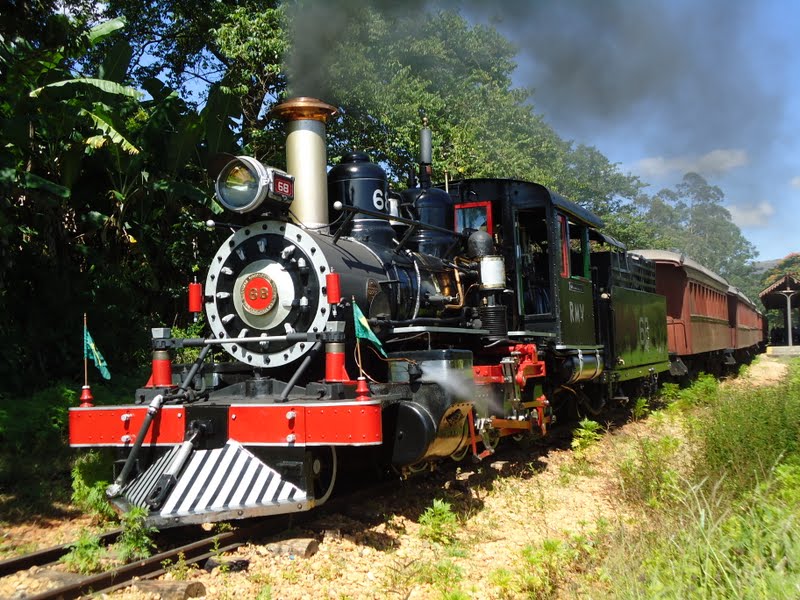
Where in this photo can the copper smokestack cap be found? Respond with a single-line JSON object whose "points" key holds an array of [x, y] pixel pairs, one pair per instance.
{"points": [[304, 107]]}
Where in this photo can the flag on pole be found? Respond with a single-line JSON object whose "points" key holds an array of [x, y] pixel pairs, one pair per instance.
{"points": [[363, 330], [90, 350]]}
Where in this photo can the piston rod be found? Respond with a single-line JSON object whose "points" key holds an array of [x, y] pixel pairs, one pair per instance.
{"points": [[115, 489]]}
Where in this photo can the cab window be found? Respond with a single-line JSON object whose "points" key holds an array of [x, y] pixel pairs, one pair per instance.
{"points": [[474, 215], [574, 245], [563, 239]]}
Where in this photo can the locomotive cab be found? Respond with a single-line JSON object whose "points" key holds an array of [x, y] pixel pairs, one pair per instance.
{"points": [[545, 242], [590, 306]]}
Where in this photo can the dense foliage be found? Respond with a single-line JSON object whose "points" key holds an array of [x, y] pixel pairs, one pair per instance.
{"points": [[789, 265], [101, 191]]}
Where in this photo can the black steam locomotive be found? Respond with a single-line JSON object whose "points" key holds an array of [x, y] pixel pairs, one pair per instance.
{"points": [[408, 328]]}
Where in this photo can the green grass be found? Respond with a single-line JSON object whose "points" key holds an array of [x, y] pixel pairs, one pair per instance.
{"points": [[585, 436], [554, 568], [444, 575], [36, 427], [729, 527], [135, 541], [648, 474], [703, 392], [746, 433], [713, 550], [179, 569], [89, 473], [640, 409]]}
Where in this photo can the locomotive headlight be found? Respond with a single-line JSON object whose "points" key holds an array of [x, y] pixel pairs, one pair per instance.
{"points": [[244, 184]]}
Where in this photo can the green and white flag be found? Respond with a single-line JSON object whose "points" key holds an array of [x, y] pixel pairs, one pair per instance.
{"points": [[90, 350], [363, 330]]}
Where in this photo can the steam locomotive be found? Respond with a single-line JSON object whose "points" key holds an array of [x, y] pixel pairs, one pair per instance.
{"points": [[410, 328]]}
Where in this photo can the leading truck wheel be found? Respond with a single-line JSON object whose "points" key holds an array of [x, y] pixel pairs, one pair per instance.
{"points": [[323, 471]]}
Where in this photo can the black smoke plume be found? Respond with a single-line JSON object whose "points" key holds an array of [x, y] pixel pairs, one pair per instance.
{"points": [[689, 74]]}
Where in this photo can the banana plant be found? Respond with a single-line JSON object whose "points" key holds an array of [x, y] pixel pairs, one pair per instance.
{"points": [[100, 191]]}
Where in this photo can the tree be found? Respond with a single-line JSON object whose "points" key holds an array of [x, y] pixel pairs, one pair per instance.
{"points": [[389, 69], [789, 265], [384, 69], [106, 131], [95, 181], [596, 183], [50, 117], [692, 219], [226, 55]]}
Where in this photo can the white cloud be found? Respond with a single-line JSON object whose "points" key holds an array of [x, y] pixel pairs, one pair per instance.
{"points": [[752, 215], [658, 166], [720, 161], [795, 182], [715, 162]]}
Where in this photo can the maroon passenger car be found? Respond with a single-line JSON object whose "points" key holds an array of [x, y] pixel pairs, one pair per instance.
{"points": [[709, 323]]}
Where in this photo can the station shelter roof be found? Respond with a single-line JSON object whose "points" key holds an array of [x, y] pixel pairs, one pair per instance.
{"points": [[772, 297]]}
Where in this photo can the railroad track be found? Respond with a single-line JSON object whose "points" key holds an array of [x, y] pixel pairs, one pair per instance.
{"points": [[199, 550], [48, 556], [122, 576], [193, 552]]}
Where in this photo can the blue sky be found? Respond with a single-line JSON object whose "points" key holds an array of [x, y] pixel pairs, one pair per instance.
{"points": [[669, 86]]}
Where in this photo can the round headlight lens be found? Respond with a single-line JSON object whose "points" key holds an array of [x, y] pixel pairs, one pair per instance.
{"points": [[242, 184]]}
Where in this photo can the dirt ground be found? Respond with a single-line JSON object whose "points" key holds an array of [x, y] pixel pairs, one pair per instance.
{"points": [[509, 502], [767, 370]]}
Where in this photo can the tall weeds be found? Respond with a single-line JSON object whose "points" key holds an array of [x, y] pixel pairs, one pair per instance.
{"points": [[748, 432], [714, 549], [728, 527]]}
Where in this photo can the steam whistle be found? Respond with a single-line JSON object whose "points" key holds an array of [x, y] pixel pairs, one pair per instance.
{"points": [[425, 155]]}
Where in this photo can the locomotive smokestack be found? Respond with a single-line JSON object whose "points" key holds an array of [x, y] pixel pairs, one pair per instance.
{"points": [[306, 156]]}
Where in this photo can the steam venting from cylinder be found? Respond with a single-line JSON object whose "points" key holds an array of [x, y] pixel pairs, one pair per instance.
{"points": [[307, 157]]}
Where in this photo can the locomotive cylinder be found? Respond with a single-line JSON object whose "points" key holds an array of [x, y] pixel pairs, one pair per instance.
{"points": [[433, 423]]}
